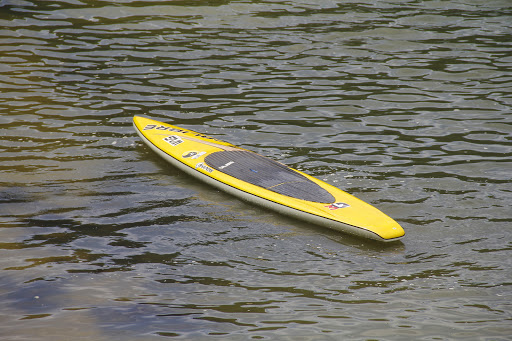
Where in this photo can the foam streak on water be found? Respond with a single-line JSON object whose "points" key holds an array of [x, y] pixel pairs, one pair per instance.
{"points": [[404, 104]]}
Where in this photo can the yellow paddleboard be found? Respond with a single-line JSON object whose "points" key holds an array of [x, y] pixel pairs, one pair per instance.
{"points": [[265, 182]]}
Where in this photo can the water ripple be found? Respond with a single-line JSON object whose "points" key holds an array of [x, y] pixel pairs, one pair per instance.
{"points": [[406, 105]]}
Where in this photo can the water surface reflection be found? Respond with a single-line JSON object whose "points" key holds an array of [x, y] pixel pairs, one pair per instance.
{"points": [[406, 105]]}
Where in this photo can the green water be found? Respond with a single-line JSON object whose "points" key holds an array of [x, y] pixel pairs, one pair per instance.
{"points": [[405, 104]]}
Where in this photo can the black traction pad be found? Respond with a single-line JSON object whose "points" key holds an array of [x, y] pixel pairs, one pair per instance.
{"points": [[269, 174]]}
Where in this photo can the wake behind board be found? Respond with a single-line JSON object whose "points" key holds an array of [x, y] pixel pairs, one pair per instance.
{"points": [[265, 182]]}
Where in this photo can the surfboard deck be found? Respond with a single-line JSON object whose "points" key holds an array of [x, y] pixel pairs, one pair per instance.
{"points": [[265, 182]]}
